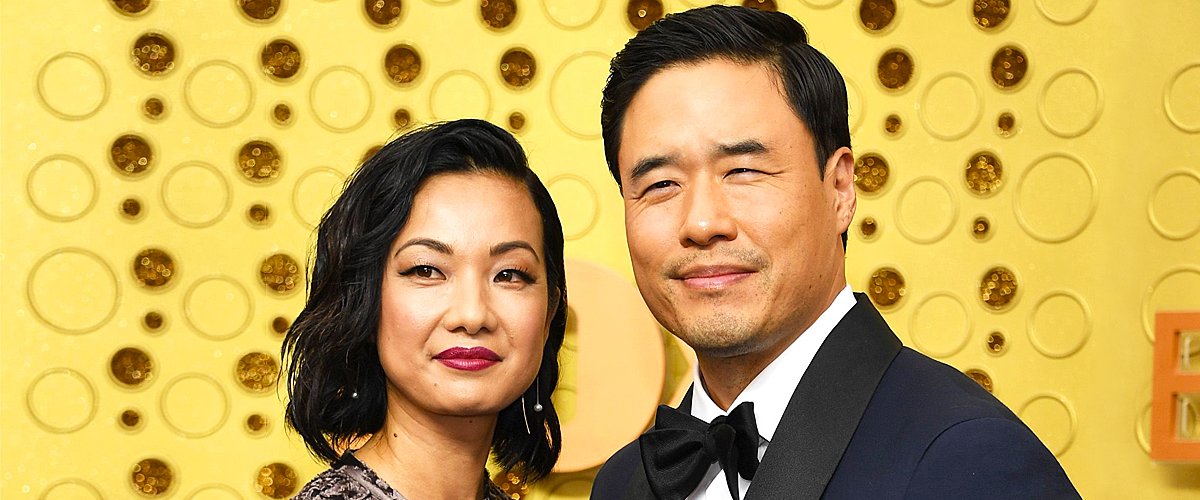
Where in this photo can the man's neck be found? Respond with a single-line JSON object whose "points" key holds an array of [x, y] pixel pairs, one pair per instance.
{"points": [[724, 378]]}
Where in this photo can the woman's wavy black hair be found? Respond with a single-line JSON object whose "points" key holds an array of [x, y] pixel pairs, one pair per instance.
{"points": [[336, 384]]}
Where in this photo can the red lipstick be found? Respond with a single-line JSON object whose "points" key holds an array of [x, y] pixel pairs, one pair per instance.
{"points": [[468, 358]]}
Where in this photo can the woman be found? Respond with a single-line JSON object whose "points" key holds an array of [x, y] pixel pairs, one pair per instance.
{"points": [[436, 308]]}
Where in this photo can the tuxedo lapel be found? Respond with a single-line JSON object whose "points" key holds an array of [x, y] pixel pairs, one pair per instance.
{"points": [[826, 407]]}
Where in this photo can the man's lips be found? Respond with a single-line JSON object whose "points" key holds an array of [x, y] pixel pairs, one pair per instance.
{"points": [[713, 276], [468, 358]]}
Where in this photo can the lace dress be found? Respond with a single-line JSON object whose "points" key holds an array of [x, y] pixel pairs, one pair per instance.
{"points": [[350, 479]]}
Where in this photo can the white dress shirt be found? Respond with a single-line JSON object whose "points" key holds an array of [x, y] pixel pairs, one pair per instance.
{"points": [[770, 392]]}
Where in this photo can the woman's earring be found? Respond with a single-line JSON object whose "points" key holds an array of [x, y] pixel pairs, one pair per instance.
{"points": [[525, 415], [537, 406]]}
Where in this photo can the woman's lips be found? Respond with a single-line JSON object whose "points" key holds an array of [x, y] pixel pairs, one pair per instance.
{"points": [[468, 358]]}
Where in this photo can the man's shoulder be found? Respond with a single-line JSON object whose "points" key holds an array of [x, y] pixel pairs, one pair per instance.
{"points": [[617, 472], [940, 395]]}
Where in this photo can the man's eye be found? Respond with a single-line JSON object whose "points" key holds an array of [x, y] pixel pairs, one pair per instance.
{"points": [[741, 171], [659, 185]]}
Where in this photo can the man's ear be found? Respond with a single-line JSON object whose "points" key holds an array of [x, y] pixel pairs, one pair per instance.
{"points": [[839, 174]]}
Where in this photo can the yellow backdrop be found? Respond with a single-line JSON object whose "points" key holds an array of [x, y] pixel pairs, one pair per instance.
{"points": [[1029, 177]]}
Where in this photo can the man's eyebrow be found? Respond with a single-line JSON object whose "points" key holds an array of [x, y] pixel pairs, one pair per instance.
{"points": [[426, 242], [740, 148], [508, 246], [649, 164]]}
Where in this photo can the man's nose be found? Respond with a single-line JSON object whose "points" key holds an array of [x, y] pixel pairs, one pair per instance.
{"points": [[707, 218]]}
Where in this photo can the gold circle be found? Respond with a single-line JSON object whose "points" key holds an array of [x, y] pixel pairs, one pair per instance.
{"points": [[260, 161], [153, 320], [990, 14], [981, 228], [281, 59], [868, 228], [643, 13], [996, 343], [276, 480], [876, 15], [153, 268], [131, 208], [47, 91], [498, 14], [1020, 209], [282, 113], [131, 367], [984, 174], [516, 121], [280, 273], [1006, 124], [871, 173], [512, 484], [257, 423], [895, 69], [383, 13], [1086, 331], [893, 125], [257, 372], [517, 68], [998, 288], [131, 7], [280, 325], [370, 152], [259, 214], [886, 287], [130, 418], [981, 377], [402, 118], [152, 477], [402, 64], [153, 54], [131, 155], [1009, 66], [767, 5], [154, 108], [260, 10]]}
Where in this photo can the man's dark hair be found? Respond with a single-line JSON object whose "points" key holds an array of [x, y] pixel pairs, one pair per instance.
{"points": [[814, 87], [337, 388]]}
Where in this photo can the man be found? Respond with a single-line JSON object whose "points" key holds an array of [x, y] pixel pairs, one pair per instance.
{"points": [[727, 134]]}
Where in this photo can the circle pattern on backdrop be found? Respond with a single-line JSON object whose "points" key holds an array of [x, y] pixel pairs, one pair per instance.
{"points": [[341, 99], [460, 94], [61, 400], [951, 106], [940, 325], [195, 195], [1041, 190], [575, 87], [1059, 324], [218, 94], [72, 86], [194, 405], [572, 14], [71, 488], [1052, 418], [217, 307], [1070, 103], [1178, 99], [575, 195], [1174, 204], [1174, 289], [926, 209], [73, 290], [61, 188]]}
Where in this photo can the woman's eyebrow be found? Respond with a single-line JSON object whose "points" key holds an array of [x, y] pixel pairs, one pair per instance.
{"points": [[508, 246], [426, 242]]}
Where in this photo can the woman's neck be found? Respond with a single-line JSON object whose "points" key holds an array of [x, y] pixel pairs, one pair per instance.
{"points": [[430, 457]]}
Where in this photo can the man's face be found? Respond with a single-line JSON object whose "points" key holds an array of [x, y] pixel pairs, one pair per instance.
{"points": [[734, 236]]}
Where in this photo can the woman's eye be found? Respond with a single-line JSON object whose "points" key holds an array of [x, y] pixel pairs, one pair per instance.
{"points": [[513, 276], [424, 272]]}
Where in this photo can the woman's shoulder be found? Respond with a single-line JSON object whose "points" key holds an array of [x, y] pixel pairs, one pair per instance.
{"points": [[347, 479], [333, 484]]}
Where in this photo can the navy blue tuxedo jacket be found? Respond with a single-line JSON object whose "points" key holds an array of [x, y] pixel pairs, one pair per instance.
{"points": [[872, 419]]}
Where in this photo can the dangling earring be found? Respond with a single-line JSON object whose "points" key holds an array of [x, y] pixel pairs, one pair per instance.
{"points": [[525, 415], [537, 390]]}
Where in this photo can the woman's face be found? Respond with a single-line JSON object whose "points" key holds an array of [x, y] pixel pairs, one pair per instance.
{"points": [[464, 314]]}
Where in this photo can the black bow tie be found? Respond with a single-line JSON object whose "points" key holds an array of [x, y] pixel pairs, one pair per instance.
{"points": [[677, 452]]}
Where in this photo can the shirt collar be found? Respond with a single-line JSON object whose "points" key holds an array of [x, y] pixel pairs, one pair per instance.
{"points": [[771, 390]]}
